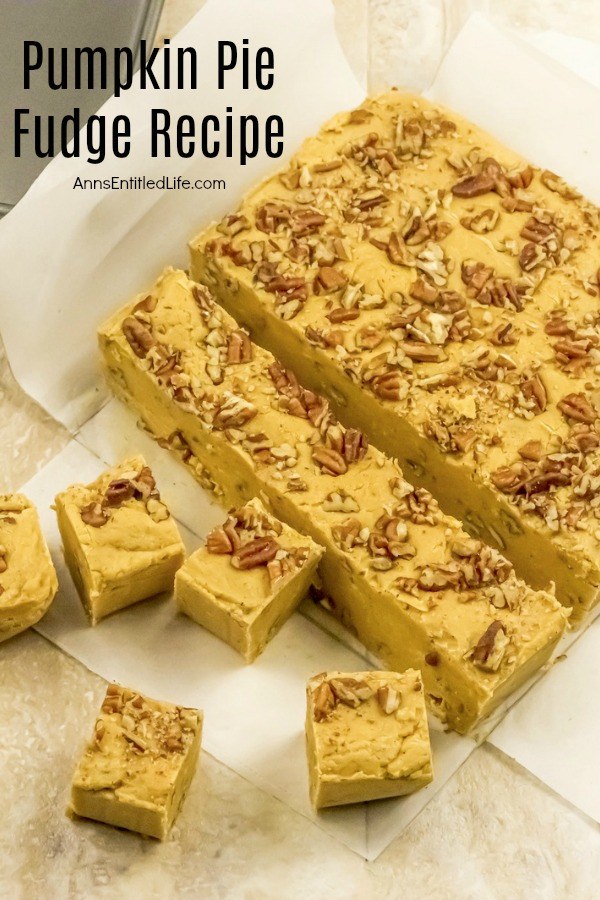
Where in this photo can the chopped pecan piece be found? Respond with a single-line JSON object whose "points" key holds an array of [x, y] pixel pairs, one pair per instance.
{"points": [[421, 352], [533, 389], [536, 231], [387, 386], [255, 553], [351, 691], [341, 314], [329, 279], [329, 460], [531, 256], [147, 305], [239, 348], [532, 450], [474, 185], [577, 406], [397, 251], [118, 491], [138, 336], [94, 514], [219, 541], [481, 222], [509, 479], [491, 647], [324, 701], [388, 699], [144, 484], [355, 445], [233, 412]]}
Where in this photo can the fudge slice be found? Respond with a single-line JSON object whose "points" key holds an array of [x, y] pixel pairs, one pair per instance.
{"points": [[366, 736], [139, 764], [27, 578], [414, 587], [248, 578], [443, 293], [121, 543]]}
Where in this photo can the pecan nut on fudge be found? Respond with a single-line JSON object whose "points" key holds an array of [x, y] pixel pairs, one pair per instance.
{"points": [[443, 293], [28, 581], [121, 544], [413, 586], [248, 578], [366, 736]]}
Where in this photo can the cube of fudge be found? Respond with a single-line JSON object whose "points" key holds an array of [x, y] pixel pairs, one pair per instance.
{"points": [[248, 579], [367, 736], [28, 581], [139, 764], [120, 541]]}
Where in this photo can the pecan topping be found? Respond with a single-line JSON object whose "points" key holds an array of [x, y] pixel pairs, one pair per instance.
{"points": [[432, 658], [509, 479], [536, 231], [504, 335], [387, 386], [532, 450], [578, 407], [330, 461], [481, 222], [233, 412], [94, 514], [491, 177], [421, 352], [349, 533], [534, 392], [118, 491], [239, 348], [351, 691], [144, 484], [355, 445], [388, 699], [323, 701], [490, 648], [474, 185], [329, 279], [531, 256], [341, 314], [255, 553], [138, 336], [219, 541], [147, 305]]}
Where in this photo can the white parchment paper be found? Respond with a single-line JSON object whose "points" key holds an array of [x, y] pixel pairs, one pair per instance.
{"points": [[67, 259]]}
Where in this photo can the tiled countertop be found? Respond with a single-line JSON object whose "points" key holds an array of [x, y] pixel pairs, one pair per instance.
{"points": [[493, 832]]}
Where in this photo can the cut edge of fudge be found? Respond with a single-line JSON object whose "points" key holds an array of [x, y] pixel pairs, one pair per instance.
{"points": [[28, 582], [122, 776], [249, 541], [125, 571]]}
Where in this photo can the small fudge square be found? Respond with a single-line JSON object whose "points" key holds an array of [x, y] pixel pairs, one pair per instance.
{"points": [[367, 736], [27, 577], [139, 763], [121, 543], [248, 579]]}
